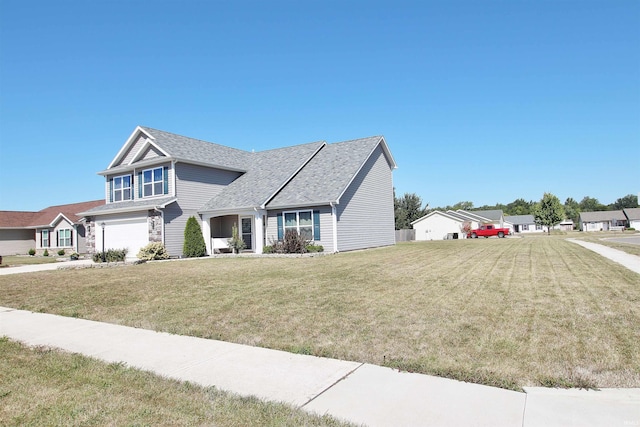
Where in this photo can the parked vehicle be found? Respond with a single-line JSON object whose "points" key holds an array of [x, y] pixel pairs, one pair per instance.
{"points": [[487, 231]]}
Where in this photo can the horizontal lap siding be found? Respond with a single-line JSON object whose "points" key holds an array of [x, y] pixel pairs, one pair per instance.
{"points": [[195, 185], [365, 212], [326, 228]]}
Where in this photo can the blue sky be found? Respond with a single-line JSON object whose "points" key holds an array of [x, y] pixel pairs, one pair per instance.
{"points": [[482, 101]]}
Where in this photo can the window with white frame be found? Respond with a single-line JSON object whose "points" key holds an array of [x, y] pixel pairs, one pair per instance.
{"points": [[45, 239], [64, 238], [538, 227], [152, 182], [525, 227], [122, 188], [300, 221]]}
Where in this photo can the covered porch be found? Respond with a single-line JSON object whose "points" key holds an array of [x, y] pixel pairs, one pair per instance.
{"points": [[217, 231]]}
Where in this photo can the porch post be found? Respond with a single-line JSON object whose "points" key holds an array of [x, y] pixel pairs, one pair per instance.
{"points": [[206, 233], [258, 231], [334, 220]]}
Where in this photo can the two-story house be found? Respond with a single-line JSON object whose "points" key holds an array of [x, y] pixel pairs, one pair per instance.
{"points": [[338, 195]]}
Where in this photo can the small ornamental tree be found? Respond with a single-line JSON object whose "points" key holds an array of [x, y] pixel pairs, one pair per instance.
{"points": [[194, 245], [548, 211]]}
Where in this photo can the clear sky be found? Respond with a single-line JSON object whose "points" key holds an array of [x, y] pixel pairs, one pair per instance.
{"points": [[481, 101]]}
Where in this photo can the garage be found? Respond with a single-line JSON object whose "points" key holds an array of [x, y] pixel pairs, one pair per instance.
{"points": [[131, 233]]}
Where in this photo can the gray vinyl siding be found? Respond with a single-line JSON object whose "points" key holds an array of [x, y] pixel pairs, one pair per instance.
{"points": [[326, 228], [151, 153], [365, 211], [135, 147], [195, 186], [16, 241]]}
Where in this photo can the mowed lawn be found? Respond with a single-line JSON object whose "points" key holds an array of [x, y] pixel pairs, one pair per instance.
{"points": [[505, 312]]}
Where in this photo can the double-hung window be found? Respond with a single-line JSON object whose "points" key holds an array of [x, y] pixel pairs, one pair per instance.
{"points": [[152, 182], [64, 238], [300, 221], [45, 238], [122, 188]]}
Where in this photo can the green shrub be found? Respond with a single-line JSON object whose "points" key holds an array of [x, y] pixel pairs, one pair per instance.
{"points": [[312, 247], [61, 252], [45, 253], [153, 251], [194, 245], [32, 252], [112, 255], [74, 256], [268, 249]]}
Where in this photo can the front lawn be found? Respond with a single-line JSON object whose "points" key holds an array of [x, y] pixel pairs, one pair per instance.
{"points": [[504, 312]]}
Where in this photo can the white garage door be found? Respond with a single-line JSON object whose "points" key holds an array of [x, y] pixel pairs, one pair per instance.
{"points": [[132, 234]]}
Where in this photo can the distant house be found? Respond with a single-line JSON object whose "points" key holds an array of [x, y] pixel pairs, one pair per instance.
{"points": [[524, 224], [439, 225], [53, 228], [602, 220], [337, 195], [633, 217], [494, 216], [564, 225]]}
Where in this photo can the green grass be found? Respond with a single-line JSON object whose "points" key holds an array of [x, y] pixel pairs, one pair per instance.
{"points": [[504, 312], [41, 386], [16, 260]]}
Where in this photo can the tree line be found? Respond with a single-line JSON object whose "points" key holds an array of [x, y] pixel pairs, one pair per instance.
{"points": [[410, 207]]}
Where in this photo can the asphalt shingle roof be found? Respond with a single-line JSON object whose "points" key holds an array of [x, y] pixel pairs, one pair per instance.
{"points": [[632, 214], [43, 218], [520, 219], [327, 175], [267, 172], [599, 216], [195, 150], [493, 215]]}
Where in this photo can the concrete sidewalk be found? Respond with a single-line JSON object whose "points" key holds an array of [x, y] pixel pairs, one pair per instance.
{"points": [[632, 262], [361, 393]]}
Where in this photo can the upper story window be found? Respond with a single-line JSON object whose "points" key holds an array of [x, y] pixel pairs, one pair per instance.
{"points": [[121, 188], [152, 182]]}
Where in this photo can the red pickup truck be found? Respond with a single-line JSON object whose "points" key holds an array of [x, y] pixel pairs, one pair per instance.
{"points": [[487, 231]]}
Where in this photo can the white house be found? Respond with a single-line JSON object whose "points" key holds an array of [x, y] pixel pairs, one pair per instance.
{"points": [[439, 225], [633, 215], [524, 224], [602, 220]]}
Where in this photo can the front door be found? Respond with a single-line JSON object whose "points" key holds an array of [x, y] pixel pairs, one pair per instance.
{"points": [[246, 231]]}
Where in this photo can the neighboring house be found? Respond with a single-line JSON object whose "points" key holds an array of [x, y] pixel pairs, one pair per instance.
{"points": [[565, 225], [338, 195], [633, 217], [439, 225], [524, 224], [495, 216], [53, 228], [473, 221], [602, 220]]}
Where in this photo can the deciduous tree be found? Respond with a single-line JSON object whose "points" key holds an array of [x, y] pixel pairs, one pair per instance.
{"points": [[548, 211]]}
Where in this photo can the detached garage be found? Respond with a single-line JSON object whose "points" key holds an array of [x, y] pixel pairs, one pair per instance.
{"points": [[118, 233]]}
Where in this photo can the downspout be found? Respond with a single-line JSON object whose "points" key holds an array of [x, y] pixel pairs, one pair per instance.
{"points": [[334, 221]]}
